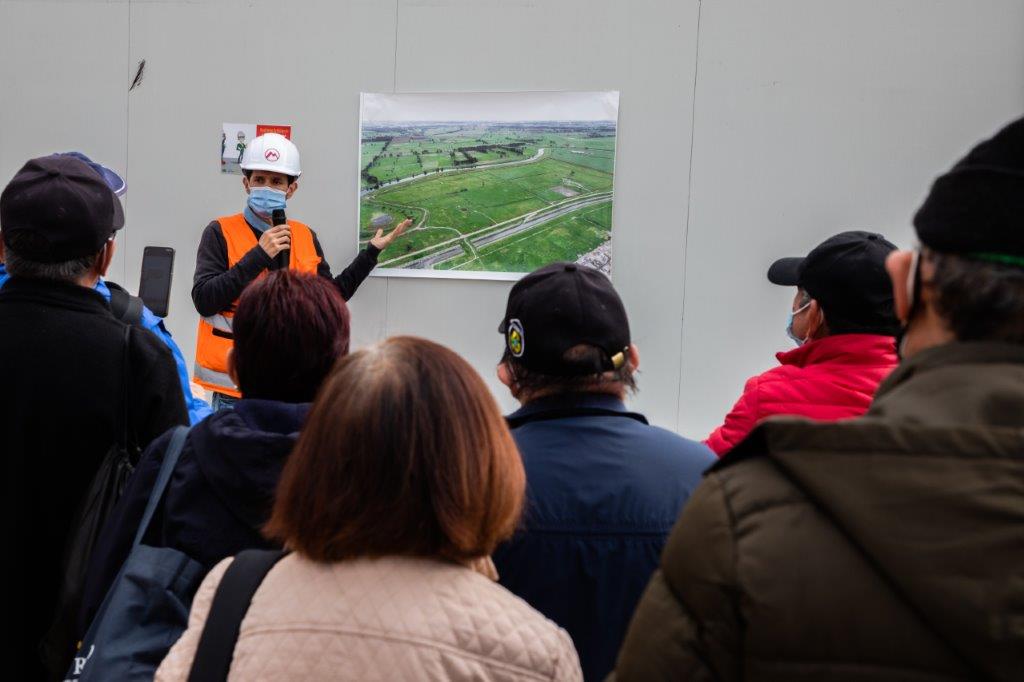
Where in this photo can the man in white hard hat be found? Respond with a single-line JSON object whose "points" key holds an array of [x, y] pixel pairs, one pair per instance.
{"points": [[236, 249]]}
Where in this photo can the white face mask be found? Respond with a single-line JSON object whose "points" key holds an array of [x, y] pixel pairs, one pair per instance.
{"points": [[789, 324]]}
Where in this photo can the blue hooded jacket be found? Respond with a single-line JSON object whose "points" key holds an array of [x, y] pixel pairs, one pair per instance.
{"points": [[218, 498]]}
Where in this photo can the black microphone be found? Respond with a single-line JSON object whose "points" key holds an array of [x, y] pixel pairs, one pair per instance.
{"points": [[277, 217]]}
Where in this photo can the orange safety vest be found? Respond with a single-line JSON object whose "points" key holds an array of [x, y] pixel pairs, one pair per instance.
{"points": [[215, 338]]}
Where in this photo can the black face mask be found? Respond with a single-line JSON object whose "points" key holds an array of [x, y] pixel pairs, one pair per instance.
{"points": [[913, 286]]}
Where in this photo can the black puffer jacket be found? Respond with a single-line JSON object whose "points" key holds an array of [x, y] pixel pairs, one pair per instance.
{"points": [[886, 548], [219, 495]]}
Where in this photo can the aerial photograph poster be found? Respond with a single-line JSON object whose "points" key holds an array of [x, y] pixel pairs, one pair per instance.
{"points": [[496, 184]]}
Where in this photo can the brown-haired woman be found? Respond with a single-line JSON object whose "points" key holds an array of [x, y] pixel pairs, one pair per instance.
{"points": [[403, 481]]}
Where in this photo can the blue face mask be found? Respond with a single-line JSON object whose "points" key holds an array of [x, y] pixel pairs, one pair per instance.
{"points": [[264, 200], [789, 324]]}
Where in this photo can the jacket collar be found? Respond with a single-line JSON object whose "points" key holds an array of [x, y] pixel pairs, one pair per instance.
{"points": [[571, 404], [60, 294], [950, 355], [852, 349]]}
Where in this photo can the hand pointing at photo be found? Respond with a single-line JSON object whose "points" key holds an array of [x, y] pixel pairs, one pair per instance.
{"points": [[381, 241]]}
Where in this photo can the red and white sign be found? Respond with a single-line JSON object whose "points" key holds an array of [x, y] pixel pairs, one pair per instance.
{"points": [[285, 131]]}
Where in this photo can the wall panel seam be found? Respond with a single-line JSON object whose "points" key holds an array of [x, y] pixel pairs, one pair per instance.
{"points": [[689, 204]]}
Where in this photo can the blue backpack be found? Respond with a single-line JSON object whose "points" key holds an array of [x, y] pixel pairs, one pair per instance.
{"points": [[146, 608]]}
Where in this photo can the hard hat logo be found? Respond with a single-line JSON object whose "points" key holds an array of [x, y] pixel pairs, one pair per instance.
{"points": [[272, 155]]}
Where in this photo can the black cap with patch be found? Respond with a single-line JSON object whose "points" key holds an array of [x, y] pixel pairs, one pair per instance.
{"points": [[977, 208], [560, 306], [846, 275], [63, 208]]}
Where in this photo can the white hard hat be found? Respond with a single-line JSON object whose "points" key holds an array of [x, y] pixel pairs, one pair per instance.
{"points": [[272, 152]]}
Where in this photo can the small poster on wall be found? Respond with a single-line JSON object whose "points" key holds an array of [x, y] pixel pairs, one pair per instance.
{"points": [[497, 184], [234, 137]]}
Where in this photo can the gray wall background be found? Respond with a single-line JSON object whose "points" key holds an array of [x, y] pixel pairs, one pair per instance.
{"points": [[748, 130]]}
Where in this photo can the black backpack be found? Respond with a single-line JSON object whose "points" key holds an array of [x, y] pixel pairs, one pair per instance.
{"points": [[58, 645]]}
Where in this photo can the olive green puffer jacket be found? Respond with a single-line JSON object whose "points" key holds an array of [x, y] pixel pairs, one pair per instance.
{"points": [[890, 547]]}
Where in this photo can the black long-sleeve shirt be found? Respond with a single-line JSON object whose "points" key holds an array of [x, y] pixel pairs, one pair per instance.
{"points": [[215, 286]]}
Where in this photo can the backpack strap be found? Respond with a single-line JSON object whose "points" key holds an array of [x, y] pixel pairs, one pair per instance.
{"points": [[162, 479], [126, 308], [230, 604]]}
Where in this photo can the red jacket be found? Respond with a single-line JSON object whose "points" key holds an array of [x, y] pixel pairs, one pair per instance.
{"points": [[828, 379]]}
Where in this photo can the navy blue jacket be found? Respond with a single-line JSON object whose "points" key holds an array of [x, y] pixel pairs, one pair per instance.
{"points": [[603, 491], [219, 496]]}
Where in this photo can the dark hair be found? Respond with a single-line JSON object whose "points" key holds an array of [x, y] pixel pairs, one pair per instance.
{"points": [[980, 301], [525, 379], [405, 452], [18, 266], [289, 329], [291, 178]]}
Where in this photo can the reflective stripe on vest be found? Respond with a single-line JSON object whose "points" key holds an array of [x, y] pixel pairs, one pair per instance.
{"points": [[215, 336], [220, 323], [208, 377]]}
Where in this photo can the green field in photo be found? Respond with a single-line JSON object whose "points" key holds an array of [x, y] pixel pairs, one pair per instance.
{"points": [[488, 198], [562, 239]]}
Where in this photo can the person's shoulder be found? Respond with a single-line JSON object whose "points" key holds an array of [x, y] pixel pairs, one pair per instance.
{"points": [[147, 348], [744, 481], [674, 444], [774, 375]]}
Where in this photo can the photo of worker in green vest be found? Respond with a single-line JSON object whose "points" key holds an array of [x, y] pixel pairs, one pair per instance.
{"points": [[236, 249], [240, 147]]}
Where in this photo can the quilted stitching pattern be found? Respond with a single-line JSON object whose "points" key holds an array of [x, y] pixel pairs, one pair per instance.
{"points": [[392, 618]]}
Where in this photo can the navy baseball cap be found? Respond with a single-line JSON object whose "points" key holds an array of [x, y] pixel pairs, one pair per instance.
{"points": [[114, 181], [60, 208]]}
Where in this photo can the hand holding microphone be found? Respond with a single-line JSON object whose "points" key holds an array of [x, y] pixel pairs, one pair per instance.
{"points": [[279, 237]]}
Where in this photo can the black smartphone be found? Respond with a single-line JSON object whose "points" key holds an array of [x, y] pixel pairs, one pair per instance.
{"points": [[155, 283]]}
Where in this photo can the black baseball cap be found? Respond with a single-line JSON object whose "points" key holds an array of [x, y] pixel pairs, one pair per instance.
{"points": [[846, 275], [560, 306], [64, 204]]}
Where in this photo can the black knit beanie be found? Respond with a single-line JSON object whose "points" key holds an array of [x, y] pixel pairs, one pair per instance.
{"points": [[977, 208]]}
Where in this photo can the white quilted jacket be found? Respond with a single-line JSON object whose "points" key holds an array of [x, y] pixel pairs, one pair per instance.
{"points": [[393, 618]]}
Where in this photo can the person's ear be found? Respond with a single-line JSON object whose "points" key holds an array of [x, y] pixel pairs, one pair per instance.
{"points": [[898, 265], [291, 190], [1, 248], [232, 370], [245, 184], [505, 374], [634, 356], [105, 257]]}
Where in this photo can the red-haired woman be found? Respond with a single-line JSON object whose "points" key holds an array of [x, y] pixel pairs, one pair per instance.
{"points": [[402, 483], [289, 330]]}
